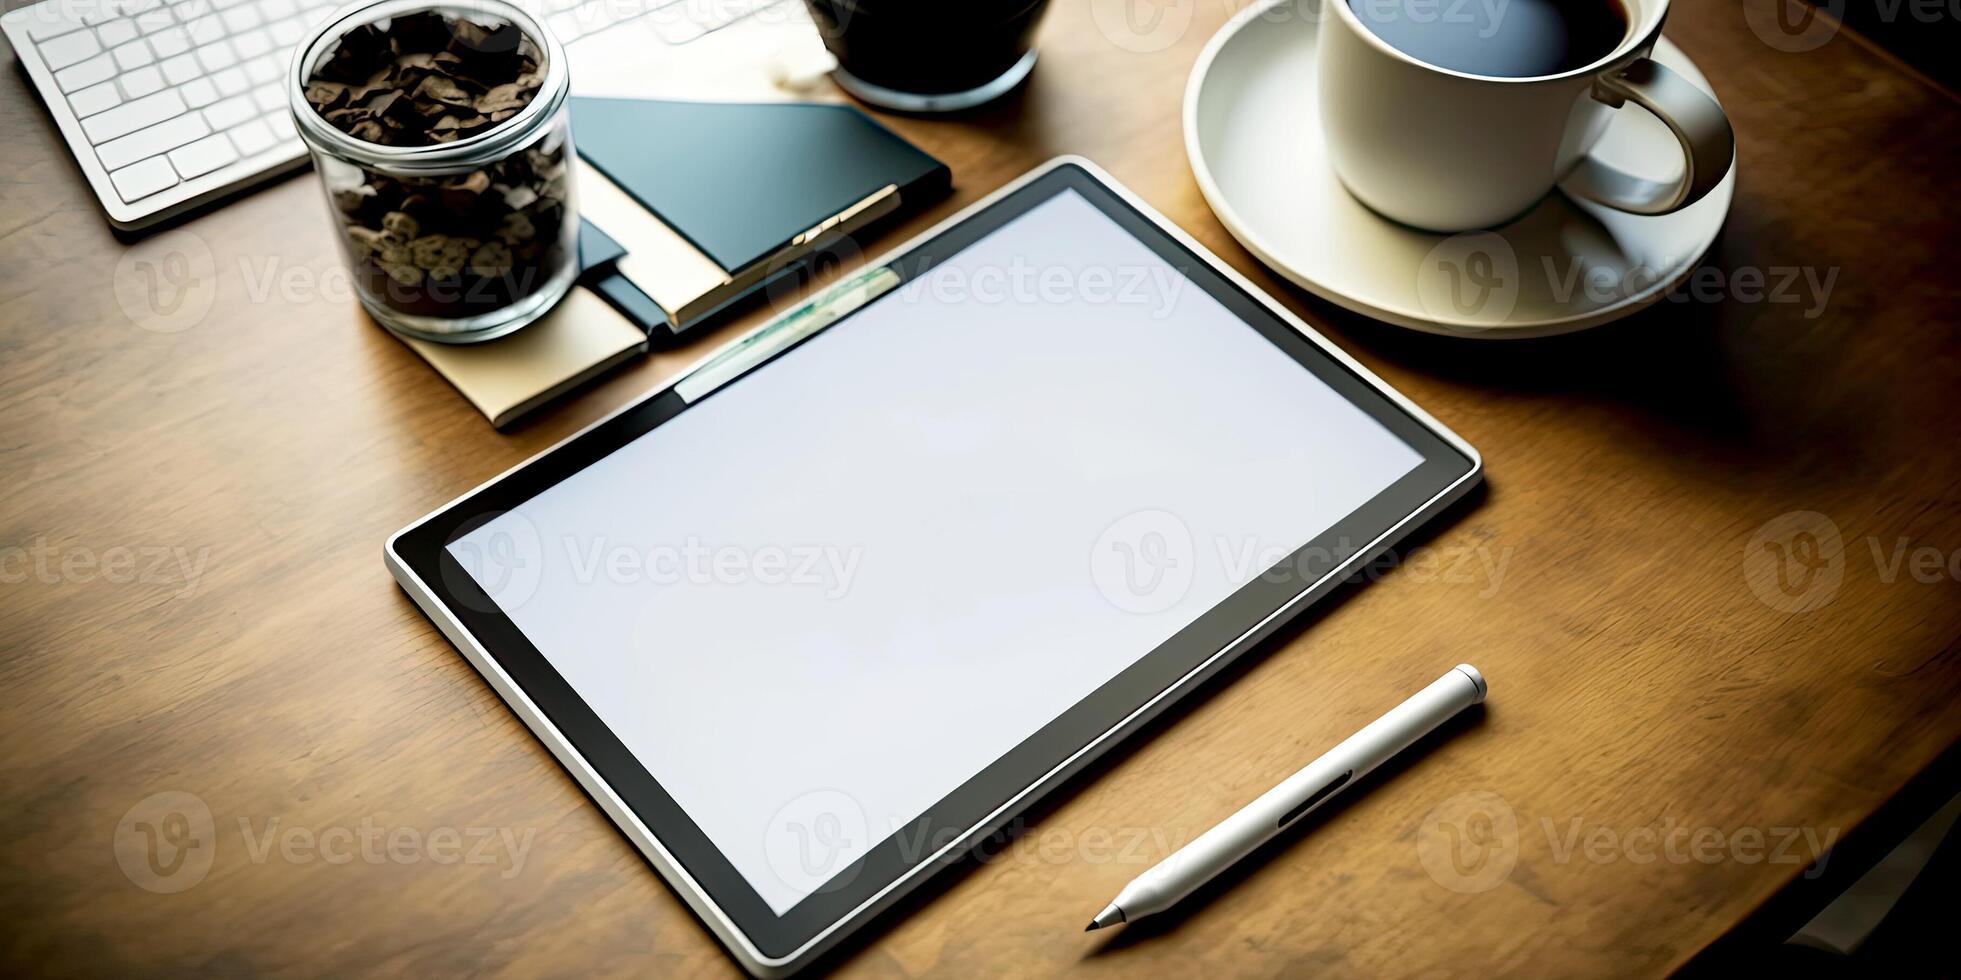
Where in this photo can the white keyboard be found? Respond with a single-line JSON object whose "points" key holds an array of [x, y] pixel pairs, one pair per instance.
{"points": [[169, 105]]}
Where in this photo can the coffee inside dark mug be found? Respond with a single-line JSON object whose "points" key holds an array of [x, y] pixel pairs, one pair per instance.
{"points": [[1499, 38], [928, 47]]}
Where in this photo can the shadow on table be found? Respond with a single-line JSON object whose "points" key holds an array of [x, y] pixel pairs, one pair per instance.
{"points": [[1167, 923], [936, 885], [1718, 388]]}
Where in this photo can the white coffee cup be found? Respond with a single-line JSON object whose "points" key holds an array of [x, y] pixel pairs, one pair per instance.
{"points": [[1451, 151]]}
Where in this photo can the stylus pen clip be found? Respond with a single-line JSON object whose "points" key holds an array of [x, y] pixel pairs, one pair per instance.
{"points": [[759, 345]]}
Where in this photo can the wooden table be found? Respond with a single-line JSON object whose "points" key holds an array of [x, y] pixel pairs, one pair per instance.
{"points": [[194, 599]]}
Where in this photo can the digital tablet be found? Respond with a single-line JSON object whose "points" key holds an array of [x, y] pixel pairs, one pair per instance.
{"points": [[850, 594]]}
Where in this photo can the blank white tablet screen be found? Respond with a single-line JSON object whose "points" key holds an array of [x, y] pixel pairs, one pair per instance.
{"points": [[831, 593]]}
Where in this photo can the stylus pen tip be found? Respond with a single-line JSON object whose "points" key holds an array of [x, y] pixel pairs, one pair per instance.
{"points": [[1108, 917]]}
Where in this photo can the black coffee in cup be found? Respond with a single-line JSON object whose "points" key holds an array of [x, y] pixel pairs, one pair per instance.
{"points": [[1500, 38], [928, 47]]}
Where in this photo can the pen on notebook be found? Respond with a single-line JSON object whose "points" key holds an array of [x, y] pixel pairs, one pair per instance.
{"points": [[1212, 852]]}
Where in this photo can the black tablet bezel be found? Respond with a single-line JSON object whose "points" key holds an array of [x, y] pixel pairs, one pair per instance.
{"points": [[423, 550]]}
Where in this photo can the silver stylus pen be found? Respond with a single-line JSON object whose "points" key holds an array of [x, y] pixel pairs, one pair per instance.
{"points": [[1236, 836]]}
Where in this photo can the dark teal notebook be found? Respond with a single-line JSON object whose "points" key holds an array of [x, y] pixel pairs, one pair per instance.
{"points": [[747, 184]]}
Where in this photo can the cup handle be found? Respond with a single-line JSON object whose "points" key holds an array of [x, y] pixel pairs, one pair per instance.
{"points": [[1708, 144]]}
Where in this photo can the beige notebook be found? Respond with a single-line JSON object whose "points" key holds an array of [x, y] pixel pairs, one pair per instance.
{"points": [[580, 339]]}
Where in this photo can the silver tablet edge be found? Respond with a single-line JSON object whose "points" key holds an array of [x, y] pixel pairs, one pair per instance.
{"points": [[732, 937]]}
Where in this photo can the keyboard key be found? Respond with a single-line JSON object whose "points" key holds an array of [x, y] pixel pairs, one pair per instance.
{"points": [[276, 10], [268, 97], [252, 44], [673, 29], [135, 54], [216, 56], [181, 69], [601, 14], [253, 138], [99, 12], [100, 68], [207, 29], [231, 81], [170, 42], [154, 19], [132, 116], [50, 20], [282, 126], [263, 70], [94, 12], [717, 14], [94, 99], [230, 112], [240, 19], [199, 92], [141, 82], [143, 179], [161, 138], [115, 32], [566, 26], [202, 157], [68, 49], [286, 33]]}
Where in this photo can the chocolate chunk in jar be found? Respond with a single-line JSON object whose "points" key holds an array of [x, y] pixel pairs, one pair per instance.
{"points": [[456, 245]]}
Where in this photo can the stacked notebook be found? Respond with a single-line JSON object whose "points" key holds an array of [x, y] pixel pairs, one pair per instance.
{"points": [[688, 209]]}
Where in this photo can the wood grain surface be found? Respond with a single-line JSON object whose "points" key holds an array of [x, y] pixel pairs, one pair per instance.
{"points": [[194, 490]]}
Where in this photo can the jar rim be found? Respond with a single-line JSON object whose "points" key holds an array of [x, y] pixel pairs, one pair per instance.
{"points": [[490, 145]]}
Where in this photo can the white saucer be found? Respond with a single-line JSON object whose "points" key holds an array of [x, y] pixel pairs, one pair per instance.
{"points": [[1253, 133]]}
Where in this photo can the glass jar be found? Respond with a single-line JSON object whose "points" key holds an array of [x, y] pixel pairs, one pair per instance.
{"points": [[461, 241]]}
